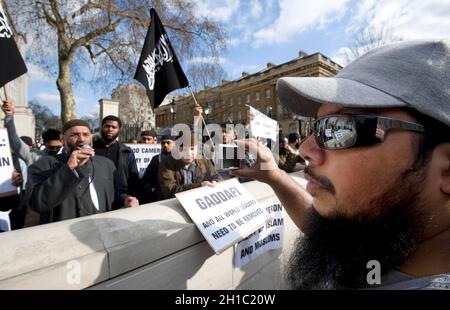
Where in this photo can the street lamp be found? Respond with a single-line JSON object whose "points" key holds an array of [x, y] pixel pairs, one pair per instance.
{"points": [[270, 112], [173, 111], [207, 112]]}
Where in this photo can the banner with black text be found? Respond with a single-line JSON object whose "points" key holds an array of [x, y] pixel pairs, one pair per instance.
{"points": [[224, 214], [144, 154], [266, 238]]}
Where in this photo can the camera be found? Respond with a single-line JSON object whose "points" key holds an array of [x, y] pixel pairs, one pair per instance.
{"points": [[226, 157]]}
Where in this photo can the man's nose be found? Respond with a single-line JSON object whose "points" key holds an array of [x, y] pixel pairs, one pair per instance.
{"points": [[311, 151], [82, 139]]}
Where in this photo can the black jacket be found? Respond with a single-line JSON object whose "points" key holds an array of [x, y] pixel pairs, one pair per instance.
{"points": [[125, 165], [150, 184], [56, 191]]}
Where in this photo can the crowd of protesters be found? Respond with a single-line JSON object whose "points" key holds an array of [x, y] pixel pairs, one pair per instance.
{"points": [[73, 175]]}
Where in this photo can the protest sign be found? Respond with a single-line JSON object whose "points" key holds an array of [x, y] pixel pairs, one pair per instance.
{"points": [[144, 154], [224, 214], [267, 237], [262, 126], [6, 166]]}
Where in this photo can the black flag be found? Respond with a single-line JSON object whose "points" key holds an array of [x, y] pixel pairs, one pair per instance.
{"points": [[158, 69], [11, 62]]}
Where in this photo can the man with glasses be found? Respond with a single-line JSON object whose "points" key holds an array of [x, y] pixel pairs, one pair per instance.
{"points": [[376, 209], [52, 138], [23, 215], [75, 183]]}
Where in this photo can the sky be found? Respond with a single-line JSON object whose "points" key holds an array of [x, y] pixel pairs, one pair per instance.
{"points": [[262, 31]]}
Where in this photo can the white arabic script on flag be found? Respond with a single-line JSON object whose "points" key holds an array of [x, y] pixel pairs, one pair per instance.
{"points": [[5, 31], [156, 59]]}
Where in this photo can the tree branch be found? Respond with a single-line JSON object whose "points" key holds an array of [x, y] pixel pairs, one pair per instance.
{"points": [[106, 51], [88, 6], [87, 39], [47, 15]]}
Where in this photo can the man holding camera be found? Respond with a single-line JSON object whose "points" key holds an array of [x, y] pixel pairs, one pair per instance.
{"points": [[75, 183], [376, 208]]}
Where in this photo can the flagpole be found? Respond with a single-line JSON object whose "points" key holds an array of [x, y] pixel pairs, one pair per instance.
{"points": [[203, 119], [5, 92]]}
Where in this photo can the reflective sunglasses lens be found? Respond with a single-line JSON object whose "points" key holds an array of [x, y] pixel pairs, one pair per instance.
{"points": [[336, 132]]}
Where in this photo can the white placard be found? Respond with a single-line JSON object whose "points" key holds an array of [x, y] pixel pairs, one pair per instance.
{"points": [[144, 154], [268, 237], [262, 126], [6, 166], [224, 214]]}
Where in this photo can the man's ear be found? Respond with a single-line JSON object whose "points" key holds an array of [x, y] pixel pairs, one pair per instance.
{"points": [[444, 154]]}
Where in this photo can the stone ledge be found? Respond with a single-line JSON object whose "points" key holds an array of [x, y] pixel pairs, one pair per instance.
{"points": [[108, 245]]}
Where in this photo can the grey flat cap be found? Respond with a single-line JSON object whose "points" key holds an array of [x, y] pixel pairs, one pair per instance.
{"points": [[412, 74]]}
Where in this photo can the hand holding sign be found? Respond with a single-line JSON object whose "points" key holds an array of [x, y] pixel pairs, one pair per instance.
{"points": [[16, 178]]}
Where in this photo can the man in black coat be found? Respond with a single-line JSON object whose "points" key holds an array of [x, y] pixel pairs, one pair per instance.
{"points": [[121, 155], [75, 183], [152, 191]]}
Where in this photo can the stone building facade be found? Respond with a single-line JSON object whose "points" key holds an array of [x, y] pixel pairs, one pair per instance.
{"points": [[134, 107], [227, 102]]}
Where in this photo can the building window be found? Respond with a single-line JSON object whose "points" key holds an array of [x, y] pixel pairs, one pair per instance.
{"points": [[247, 98], [231, 101], [239, 116], [257, 95], [239, 100], [267, 92]]}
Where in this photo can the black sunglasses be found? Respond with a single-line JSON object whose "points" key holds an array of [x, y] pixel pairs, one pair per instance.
{"points": [[335, 132]]}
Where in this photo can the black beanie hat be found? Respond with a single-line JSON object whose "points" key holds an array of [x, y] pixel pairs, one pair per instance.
{"points": [[76, 122]]}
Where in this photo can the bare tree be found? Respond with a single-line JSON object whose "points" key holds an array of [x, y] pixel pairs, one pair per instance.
{"points": [[205, 75], [93, 121], [103, 38], [44, 118], [367, 39], [133, 104]]}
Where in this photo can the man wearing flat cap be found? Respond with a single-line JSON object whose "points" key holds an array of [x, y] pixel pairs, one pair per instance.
{"points": [[376, 209], [75, 183]]}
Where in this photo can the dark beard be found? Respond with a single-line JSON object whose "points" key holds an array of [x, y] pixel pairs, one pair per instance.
{"points": [[109, 140], [334, 251]]}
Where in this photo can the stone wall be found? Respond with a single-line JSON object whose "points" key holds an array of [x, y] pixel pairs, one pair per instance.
{"points": [[155, 246]]}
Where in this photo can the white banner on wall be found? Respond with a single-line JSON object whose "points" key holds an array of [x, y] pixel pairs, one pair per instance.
{"points": [[144, 154], [262, 126], [224, 214], [268, 237], [6, 166]]}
